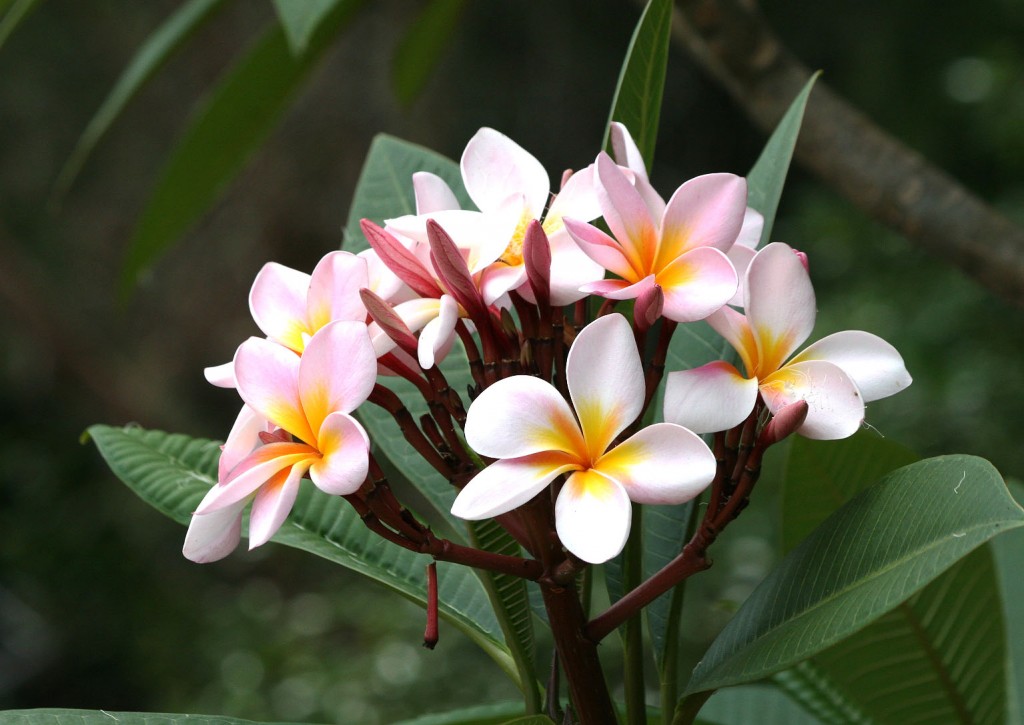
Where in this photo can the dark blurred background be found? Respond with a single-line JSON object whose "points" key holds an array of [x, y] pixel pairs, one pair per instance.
{"points": [[97, 607]]}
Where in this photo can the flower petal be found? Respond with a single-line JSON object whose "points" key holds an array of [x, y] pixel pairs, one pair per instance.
{"points": [[437, 335], [606, 380], [706, 211], [602, 249], [345, 448], [735, 328], [663, 463], [223, 376], [780, 305], [241, 441], [741, 256], [277, 301], [627, 215], [710, 398], [255, 470], [337, 371], [571, 268], [213, 536], [697, 284], [500, 278], [875, 365], [509, 483], [750, 232], [577, 199], [334, 290], [268, 380], [627, 154], [593, 516], [494, 167], [432, 193], [272, 503], [835, 408], [519, 416]]}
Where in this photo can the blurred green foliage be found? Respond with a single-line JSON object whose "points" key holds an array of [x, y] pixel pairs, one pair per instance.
{"points": [[98, 609]]}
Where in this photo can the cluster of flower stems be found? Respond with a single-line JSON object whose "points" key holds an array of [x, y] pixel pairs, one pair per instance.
{"points": [[537, 345]]}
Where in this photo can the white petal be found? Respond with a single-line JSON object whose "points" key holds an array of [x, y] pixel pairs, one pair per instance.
{"points": [[661, 464], [711, 398], [277, 301], [432, 193], [521, 415], [272, 503], [835, 408], [345, 447], [593, 516], [223, 376], [508, 484], [241, 441], [606, 380], [875, 365], [494, 167], [750, 232], [214, 535], [780, 305], [438, 333]]}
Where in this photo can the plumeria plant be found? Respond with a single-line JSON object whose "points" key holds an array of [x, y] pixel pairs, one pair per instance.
{"points": [[581, 385]]}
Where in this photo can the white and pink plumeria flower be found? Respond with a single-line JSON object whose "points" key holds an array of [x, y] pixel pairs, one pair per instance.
{"points": [[537, 436], [290, 306], [296, 421], [836, 376], [682, 251], [510, 188]]}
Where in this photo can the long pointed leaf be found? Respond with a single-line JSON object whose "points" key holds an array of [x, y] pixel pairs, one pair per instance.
{"points": [[159, 47], [423, 46], [300, 20], [759, 704], [64, 716], [867, 558], [767, 177], [641, 85], [242, 110], [172, 473]]}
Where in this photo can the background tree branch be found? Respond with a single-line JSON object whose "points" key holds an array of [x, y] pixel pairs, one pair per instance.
{"points": [[880, 175]]}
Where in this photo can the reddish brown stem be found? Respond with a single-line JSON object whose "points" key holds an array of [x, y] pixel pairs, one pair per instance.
{"points": [[430, 634]]}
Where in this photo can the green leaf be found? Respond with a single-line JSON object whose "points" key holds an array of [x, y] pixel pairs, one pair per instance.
{"points": [[173, 472], [300, 20], [241, 111], [821, 476], [868, 557], [11, 15], [494, 714], [939, 657], [531, 720], [665, 529], [384, 189], [158, 48], [638, 93], [1009, 556], [766, 179], [419, 52], [761, 704], [62, 716]]}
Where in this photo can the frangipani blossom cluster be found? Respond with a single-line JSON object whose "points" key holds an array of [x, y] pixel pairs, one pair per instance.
{"points": [[558, 415]]}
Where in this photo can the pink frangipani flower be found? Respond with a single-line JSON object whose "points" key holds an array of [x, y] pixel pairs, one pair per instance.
{"points": [[526, 424], [835, 376], [298, 422], [682, 250]]}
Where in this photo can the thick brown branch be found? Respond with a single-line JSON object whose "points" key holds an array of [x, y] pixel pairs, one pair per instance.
{"points": [[877, 173]]}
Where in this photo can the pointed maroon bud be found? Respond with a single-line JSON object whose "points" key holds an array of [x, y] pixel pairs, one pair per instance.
{"points": [[453, 272], [537, 259], [648, 307], [400, 260], [389, 321], [785, 422], [802, 256]]}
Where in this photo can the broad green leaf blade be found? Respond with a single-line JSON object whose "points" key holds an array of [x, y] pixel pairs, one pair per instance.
{"points": [[384, 189], [172, 473], [62, 716], [423, 46], [1009, 556], [759, 704], [240, 113], [868, 557], [495, 714], [937, 658], [158, 48], [665, 531], [638, 93], [811, 687], [821, 476], [767, 177], [301, 18]]}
